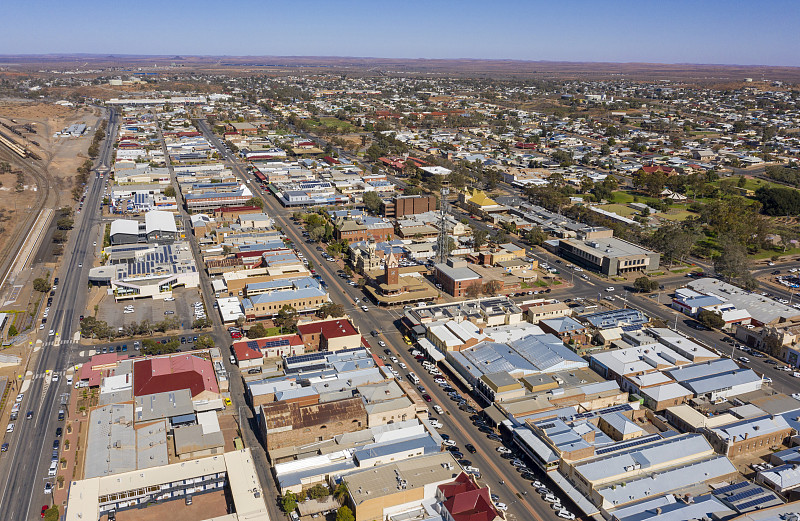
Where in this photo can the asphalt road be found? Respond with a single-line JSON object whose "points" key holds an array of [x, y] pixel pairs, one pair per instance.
{"points": [[25, 465], [457, 424]]}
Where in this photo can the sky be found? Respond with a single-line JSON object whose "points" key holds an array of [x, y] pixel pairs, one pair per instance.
{"points": [[755, 32]]}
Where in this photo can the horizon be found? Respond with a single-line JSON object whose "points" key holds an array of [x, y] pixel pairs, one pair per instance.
{"points": [[714, 32]]}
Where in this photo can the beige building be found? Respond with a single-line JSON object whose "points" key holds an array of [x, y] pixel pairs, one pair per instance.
{"points": [[379, 492]]}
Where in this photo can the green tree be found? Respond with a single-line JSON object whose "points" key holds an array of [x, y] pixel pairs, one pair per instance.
{"points": [[479, 238], [12, 331], [535, 236], [287, 319], [51, 514], [41, 285], [330, 309], [289, 502], [255, 201], [341, 492], [317, 234], [169, 191], [345, 514], [372, 201], [733, 263], [710, 319], [645, 284], [204, 342], [318, 491], [257, 331]]}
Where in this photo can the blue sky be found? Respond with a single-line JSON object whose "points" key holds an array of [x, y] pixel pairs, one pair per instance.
{"points": [[759, 32]]}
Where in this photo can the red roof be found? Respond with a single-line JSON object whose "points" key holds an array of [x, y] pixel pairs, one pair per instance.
{"points": [[171, 373], [466, 501], [334, 328], [232, 209], [93, 372]]}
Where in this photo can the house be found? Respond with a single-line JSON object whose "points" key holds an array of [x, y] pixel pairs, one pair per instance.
{"points": [[566, 328]]}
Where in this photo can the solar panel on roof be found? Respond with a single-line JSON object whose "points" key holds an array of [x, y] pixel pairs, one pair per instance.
{"points": [[744, 495], [638, 441], [252, 344], [756, 502], [731, 488]]}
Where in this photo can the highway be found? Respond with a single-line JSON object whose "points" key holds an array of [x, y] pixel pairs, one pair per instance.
{"points": [[25, 465]]}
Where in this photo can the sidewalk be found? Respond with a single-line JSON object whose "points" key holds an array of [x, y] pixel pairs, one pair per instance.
{"points": [[73, 445]]}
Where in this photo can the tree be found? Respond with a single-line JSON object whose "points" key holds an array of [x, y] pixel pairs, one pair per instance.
{"points": [[255, 201], [169, 191], [287, 319], [732, 263], [318, 491], [257, 331], [341, 492], [372, 201], [474, 289], [493, 287], [674, 240], [204, 342], [12, 331], [345, 514], [289, 502], [536, 236], [316, 234], [330, 309], [65, 223], [479, 238], [51, 514], [710, 319], [41, 285], [645, 284]]}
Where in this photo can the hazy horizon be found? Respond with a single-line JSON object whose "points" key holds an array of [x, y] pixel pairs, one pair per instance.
{"points": [[712, 32]]}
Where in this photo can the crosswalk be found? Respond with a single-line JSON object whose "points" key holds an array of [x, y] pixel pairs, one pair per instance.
{"points": [[39, 376]]}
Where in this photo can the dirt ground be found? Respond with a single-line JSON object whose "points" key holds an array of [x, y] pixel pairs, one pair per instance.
{"points": [[61, 156]]}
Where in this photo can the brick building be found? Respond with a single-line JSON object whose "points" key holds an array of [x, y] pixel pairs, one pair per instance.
{"points": [[289, 424], [408, 205], [329, 335]]}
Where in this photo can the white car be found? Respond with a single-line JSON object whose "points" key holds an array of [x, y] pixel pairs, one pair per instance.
{"points": [[51, 333], [470, 468], [381, 343], [502, 507], [10, 427], [504, 450], [610, 289], [55, 377], [402, 365], [127, 311], [364, 309], [169, 299], [550, 498], [20, 397], [449, 443], [565, 514], [438, 409]]}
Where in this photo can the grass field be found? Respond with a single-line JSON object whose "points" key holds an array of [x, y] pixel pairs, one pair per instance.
{"points": [[679, 215], [337, 123], [619, 209]]}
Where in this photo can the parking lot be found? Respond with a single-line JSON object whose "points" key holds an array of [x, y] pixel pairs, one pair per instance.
{"points": [[154, 311]]}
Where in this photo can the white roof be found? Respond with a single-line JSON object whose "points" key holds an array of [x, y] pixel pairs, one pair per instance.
{"points": [[127, 226], [159, 220]]}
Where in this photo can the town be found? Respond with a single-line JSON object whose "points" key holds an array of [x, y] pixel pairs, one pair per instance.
{"points": [[397, 296]]}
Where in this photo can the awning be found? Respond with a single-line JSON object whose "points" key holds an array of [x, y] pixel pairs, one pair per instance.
{"points": [[495, 414], [574, 494], [429, 348], [456, 374]]}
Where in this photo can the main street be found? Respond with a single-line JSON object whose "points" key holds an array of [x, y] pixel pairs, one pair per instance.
{"points": [[517, 493], [25, 466]]}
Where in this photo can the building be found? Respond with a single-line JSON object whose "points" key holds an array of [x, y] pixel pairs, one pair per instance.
{"points": [[455, 277], [90, 499], [749, 435], [464, 500], [175, 372], [403, 205], [332, 334], [762, 310], [304, 300], [378, 492], [609, 256], [289, 424]]}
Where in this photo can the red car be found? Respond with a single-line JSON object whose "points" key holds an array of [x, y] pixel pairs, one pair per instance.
{"points": [[44, 509], [236, 334], [427, 397]]}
